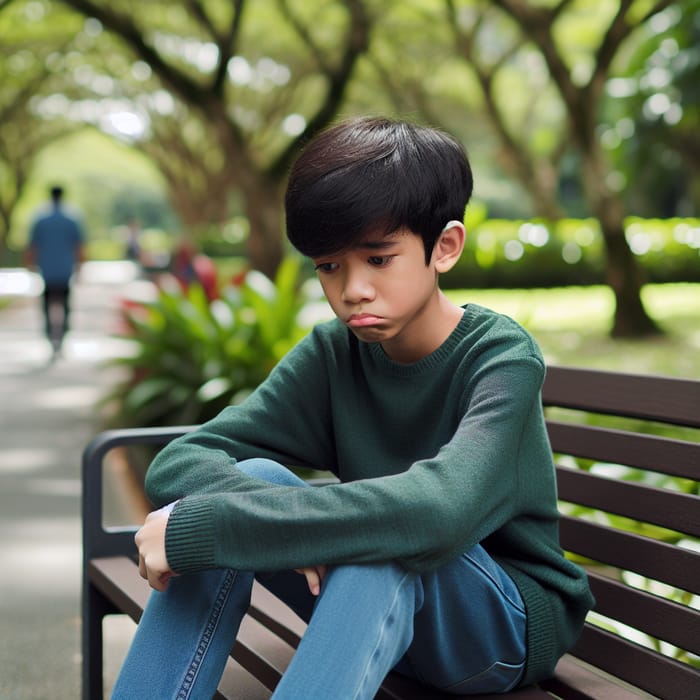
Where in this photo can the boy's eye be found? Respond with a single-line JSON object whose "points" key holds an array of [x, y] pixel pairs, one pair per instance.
{"points": [[326, 267], [380, 260]]}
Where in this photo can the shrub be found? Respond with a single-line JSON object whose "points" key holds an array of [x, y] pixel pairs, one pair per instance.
{"points": [[192, 357], [538, 253]]}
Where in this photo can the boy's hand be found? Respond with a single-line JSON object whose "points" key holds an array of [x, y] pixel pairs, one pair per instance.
{"points": [[150, 540], [314, 577]]}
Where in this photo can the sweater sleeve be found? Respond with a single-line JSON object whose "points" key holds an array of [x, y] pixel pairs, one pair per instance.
{"points": [[436, 509], [285, 419]]}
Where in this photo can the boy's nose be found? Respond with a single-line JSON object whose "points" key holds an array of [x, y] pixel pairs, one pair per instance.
{"points": [[357, 289]]}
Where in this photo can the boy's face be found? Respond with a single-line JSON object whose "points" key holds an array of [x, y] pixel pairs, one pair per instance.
{"points": [[384, 292]]}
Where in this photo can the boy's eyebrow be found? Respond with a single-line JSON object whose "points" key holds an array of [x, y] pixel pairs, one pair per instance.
{"points": [[381, 244]]}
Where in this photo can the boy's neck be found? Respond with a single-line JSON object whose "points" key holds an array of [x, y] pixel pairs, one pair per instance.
{"points": [[430, 330]]}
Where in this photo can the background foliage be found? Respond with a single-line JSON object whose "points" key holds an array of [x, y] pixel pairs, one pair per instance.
{"points": [[192, 357], [555, 100]]}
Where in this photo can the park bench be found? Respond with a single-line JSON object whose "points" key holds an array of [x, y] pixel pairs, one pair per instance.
{"points": [[638, 538]]}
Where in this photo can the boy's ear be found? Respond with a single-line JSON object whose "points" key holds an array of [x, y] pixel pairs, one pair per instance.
{"points": [[449, 246]]}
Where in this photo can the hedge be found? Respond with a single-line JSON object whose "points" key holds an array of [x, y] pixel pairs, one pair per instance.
{"points": [[539, 253]]}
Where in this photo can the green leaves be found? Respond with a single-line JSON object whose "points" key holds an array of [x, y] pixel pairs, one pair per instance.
{"points": [[192, 358]]}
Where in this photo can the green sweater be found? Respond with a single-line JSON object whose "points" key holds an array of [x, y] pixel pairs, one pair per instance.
{"points": [[433, 457]]}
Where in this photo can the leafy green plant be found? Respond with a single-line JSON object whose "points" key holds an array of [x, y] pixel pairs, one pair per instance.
{"points": [[193, 357]]}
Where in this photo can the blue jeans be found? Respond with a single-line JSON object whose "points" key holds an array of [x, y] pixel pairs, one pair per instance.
{"points": [[460, 628]]}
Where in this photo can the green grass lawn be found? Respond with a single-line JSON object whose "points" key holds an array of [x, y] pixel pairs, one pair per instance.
{"points": [[571, 325]]}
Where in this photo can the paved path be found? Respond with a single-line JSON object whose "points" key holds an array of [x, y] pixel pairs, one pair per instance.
{"points": [[47, 415]]}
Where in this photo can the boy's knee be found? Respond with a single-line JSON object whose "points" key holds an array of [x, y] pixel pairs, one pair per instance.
{"points": [[270, 471]]}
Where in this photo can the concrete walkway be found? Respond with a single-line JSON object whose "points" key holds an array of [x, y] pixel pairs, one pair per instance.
{"points": [[47, 415]]}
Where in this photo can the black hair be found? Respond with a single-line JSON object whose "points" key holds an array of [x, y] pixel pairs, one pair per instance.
{"points": [[375, 175], [56, 193]]}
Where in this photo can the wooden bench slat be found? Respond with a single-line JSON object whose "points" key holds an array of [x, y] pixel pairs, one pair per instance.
{"points": [[397, 687], [642, 667], [650, 452], [261, 652], [664, 399], [661, 618], [238, 684], [114, 577], [670, 509], [276, 615], [625, 550], [576, 680]]}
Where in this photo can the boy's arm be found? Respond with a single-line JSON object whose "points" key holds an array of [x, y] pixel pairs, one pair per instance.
{"points": [[153, 561], [286, 419], [424, 516]]}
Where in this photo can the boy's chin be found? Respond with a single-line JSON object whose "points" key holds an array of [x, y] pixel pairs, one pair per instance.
{"points": [[369, 334]]}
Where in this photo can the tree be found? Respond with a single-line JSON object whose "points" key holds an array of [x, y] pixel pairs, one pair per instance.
{"points": [[30, 63], [251, 112], [653, 113], [578, 73]]}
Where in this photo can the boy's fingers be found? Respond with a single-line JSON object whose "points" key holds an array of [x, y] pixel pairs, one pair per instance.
{"points": [[314, 576], [157, 577], [314, 581]]}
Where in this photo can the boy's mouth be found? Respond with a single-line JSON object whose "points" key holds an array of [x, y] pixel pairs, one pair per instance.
{"points": [[361, 320]]}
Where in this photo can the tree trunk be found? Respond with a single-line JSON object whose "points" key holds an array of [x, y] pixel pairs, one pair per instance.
{"points": [[625, 278], [263, 207], [624, 275]]}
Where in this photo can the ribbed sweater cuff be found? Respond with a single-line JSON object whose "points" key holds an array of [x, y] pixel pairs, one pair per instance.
{"points": [[189, 538]]}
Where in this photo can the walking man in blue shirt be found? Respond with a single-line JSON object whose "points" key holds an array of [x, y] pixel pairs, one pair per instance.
{"points": [[56, 248]]}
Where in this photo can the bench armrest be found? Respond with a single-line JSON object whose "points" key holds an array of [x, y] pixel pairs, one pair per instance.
{"points": [[99, 541]]}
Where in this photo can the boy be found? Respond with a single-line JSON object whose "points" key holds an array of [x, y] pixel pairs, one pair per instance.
{"points": [[437, 555]]}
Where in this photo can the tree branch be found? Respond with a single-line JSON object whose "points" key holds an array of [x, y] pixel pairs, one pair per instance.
{"points": [[228, 46], [305, 36], [356, 43], [225, 40], [530, 173], [656, 8], [199, 13], [536, 23], [189, 90], [617, 32]]}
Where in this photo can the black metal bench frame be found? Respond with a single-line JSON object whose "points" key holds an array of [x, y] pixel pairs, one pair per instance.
{"points": [[604, 664]]}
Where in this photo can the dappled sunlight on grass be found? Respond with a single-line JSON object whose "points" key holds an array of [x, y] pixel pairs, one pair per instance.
{"points": [[548, 309], [571, 325]]}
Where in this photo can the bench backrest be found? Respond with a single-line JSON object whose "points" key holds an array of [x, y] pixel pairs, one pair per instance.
{"points": [[632, 515]]}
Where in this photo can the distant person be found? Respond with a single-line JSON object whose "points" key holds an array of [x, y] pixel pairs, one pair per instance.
{"points": [[56, 248]]}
